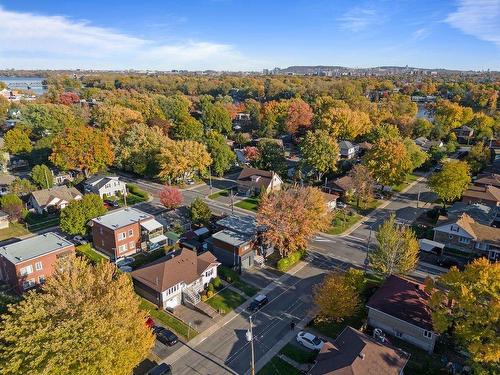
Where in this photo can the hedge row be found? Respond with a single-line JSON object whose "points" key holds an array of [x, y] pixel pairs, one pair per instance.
{"points": [[134, 189], [284, 264]]}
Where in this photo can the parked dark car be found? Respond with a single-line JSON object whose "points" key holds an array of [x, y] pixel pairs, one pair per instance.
{"points": [[447, 262], [112, 203], [258, 302], [161, 369], [165, 336]]}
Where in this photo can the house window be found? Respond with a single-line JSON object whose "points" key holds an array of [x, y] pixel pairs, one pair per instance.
{"points": [[122, 248], [428, 334], [122, 236], [26, 270], [28, 284], [130, 232], [41, 279], [455, 228], [464, 240], [38, 266], [131, 245], [209, 272], [450, 236]]}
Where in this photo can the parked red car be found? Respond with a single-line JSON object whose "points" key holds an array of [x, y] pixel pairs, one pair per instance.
{"points": [[150, 323]]}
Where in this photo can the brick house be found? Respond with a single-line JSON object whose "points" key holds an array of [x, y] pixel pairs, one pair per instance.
{"points": [[125, 232], [342, 186], [488, 179], [355, 353], [400, 308], [489, 195], [26, 264], [467, 235], [252, 181], [176, 278]]}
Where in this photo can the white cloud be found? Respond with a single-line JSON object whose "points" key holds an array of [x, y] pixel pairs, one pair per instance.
{"points": [[359, 19], [29, 40], [479, 18], [421, 33]]}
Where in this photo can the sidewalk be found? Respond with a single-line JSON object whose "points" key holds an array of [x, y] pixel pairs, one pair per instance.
{"points": [[172, 358]]}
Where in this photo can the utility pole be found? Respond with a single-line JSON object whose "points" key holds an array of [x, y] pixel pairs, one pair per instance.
{"points": [[232, 201], [418, 196], [249, 336], [210, 177], [125, 196], [46, 178], [368, 247]]}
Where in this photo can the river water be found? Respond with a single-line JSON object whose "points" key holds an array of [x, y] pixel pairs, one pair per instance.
{"points": [[25, 83]]}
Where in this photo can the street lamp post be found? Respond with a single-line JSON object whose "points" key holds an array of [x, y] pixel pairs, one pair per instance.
{"points": [[368, 247], [210, 177], [249, 336]]}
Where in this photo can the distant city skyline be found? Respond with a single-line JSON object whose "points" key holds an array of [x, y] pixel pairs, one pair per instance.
{"points": [[250, 36]]}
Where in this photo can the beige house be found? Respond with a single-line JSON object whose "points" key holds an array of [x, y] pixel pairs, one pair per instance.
{"points": [[56, 197], [400, 308], [465, 234], [252, 181]]}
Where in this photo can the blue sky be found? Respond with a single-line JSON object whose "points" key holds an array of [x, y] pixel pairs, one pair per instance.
{"points": [[249, 35]]}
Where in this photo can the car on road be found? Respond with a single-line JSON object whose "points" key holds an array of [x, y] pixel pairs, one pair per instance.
{"points": [[309, 341], [379, 196], [341, 205], [258, 302], [165, 336], [161, 369], [125, 261], [112, 203], [447, 262], [79, 240]]}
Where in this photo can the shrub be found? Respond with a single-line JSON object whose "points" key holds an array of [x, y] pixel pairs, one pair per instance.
{"points": [[228, 274], [204, 297], [229, 279], [217, 282], [210, 294], [283, 264], [134, 189], [210, 287]]}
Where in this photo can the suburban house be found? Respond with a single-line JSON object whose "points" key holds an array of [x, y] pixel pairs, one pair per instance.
{"points": [[400, 308], [54, 198], [105, 186], [176, 278], [27, 263], [464, 133], [354, 353], [238, 243], [467, 235], [330, 200], [488, 179], [343, 186], [364, 147], [489, 195], [347, 149], [252, 181], [4, 220], [480, 213], [426, 144], [126, 231], [62, 177]]}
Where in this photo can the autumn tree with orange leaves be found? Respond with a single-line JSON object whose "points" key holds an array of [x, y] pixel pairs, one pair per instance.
{"points": [[299, 115], [292, 217], [81, 148]]}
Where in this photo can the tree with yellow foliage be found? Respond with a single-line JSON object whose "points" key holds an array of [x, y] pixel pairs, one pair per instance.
{"points": [[467, 304], [86, 321]]}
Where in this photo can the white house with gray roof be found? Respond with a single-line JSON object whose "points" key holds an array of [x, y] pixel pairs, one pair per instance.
{"points": [[105, 186]]}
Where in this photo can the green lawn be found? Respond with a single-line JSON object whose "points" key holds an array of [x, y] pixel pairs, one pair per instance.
{"points": [[36, 221], [145, 258], [277, 366], [409, 179], [225, 301], [249, 290], [222, 193], [298, 354], [14, 230], [88, 252], [168, 320], [365, 209], [333, 329], [339, 225], [250, 204], [131, 199]]}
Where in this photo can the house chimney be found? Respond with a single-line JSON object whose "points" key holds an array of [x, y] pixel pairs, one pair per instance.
{"points": [[362, 355]]}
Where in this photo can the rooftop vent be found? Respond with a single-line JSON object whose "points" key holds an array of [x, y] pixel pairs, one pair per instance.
{"points": [[362, 355]]}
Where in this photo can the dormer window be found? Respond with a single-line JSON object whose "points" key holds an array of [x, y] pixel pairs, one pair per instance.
{"points": [[455, 228]]}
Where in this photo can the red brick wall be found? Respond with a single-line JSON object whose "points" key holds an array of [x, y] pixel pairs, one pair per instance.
{"points": [[107, 240]]}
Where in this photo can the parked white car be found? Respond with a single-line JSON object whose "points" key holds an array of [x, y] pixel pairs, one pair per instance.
{"points": [[79, 240], [309, 340]]}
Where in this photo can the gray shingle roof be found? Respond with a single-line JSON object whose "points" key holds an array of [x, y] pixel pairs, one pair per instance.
{"points": [[232, 238], [123, 217], [33, 247]]}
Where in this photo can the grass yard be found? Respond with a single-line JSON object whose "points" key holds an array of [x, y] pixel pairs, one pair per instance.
{"points": [[277, 366], [250, 204], [409, 179], [222, 193], [365, 209], [88, 252], [249, 290], [131, 199], [168, 320], [225, 301], [339, 225], [14, 230], [145, 258], [37, 222], [333, 329], [299, 354]]}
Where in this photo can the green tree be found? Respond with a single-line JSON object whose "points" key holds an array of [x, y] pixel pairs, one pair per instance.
{"points": [[87, 321], [478, 157], [77, 214], [451, 182], [416, 155], [216, 117], [50, 119], [363, 181], [320, 151], [466, 304], [4, 108], [271, 157], [388, 161], [174, 107], [222, 155], [336, 298], [17, 141], [188, 128], [13, 206], [397, 249], [449, 115], [422, 128], [484, 126], [22, 186], [199, 212], [42, 176]]}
